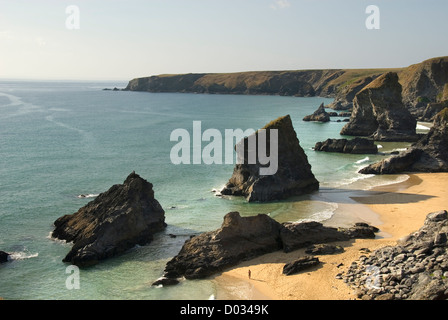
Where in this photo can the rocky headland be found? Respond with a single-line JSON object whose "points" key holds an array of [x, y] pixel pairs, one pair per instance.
{"points": [[429, 154], [117, 220], [244, 238], [354, 146], [415, 269], [293, 176], [422, 83], [378, 112]]}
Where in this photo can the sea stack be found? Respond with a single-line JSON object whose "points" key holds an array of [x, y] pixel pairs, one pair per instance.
{"points": [[319, 115], [379, 113], [117, 220], [429, 154], [293, 176]]}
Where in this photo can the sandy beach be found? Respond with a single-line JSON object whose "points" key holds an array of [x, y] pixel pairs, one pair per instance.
{"points": [[396, 209]]}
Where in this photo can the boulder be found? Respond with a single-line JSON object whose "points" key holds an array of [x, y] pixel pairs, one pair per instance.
{"points": [[319, 115], [355, 146], [429, 154], [416, 268], [4, 257], [118, 219], [322, 249], [293, 176], [303, 263], [378, 112]]}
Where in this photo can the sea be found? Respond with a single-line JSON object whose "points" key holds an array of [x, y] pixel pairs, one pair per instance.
{"points": [[63, 142]]}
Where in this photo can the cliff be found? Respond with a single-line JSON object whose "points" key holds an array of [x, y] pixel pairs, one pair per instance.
{"points": [[422, 83]]}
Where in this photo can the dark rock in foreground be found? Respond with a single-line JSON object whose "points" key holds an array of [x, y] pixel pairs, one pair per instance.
{"points": [[4, 257], [237, 240], [117, 220], [379, 113], [293, 176], [303, 263], [319, 115], [415, 269], [429, 154], [354, 146], [244, 238]]}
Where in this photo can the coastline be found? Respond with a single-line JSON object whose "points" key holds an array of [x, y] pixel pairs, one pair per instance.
{"points": [[396, 209]]}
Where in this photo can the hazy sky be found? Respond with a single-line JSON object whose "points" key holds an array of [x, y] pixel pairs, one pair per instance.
{"points": [[121, 40]]}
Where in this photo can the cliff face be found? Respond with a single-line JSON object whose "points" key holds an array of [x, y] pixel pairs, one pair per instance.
{"points": [[378, 112], [422, 83], [287, 83]]}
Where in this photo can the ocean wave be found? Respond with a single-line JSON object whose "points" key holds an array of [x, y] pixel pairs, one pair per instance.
{"points": [[22, 255], [323, 214], [89, 195], [382, 182], [362, 160]]}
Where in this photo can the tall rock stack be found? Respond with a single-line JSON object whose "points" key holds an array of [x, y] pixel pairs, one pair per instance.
{"points": [[293, 176], [379, 113]]}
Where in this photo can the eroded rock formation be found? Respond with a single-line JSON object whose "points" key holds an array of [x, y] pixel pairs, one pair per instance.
{"points": [[293, 176], [117, 220], [429, 154], [378, 112]]}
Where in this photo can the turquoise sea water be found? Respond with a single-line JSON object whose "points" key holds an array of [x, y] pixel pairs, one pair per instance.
{"points": [[59, 140]]}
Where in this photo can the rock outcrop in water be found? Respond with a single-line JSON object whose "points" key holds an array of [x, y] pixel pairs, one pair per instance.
{"points": [[293, 176], [319, 115], [415, 269], [429, 154], [117, 220], [4, 257], [378, 112], [354, 146], [244, 238]]}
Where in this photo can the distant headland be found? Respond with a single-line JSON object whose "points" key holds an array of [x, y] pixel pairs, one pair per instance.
{"points": [[423, 84]]}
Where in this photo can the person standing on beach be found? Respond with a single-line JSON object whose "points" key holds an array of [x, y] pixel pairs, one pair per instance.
{"points": [[249, 273]]}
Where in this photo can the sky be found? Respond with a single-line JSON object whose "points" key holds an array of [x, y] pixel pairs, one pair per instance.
{"points": [[126, 39]]}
